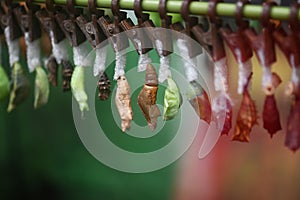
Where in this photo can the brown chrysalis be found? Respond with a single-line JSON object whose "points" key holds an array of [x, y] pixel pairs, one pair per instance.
{"points": [[247, 116], [103, 86], [67, 71], [147, 97], [52, 67]]}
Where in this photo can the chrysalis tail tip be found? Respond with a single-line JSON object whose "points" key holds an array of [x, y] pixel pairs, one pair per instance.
{"points": [[152, 126], [10, 108]]}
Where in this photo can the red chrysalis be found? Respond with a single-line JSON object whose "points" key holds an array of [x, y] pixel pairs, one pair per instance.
{"points": [[271, 118]]}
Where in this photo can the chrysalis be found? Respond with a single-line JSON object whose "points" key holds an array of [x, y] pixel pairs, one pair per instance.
{"points": [[4, 81], [52, 67], [20, 87], [271, 118], [4, 84], [247, 116], [123, 102], [41, 88], [67, 71], [147, 97], [172, 100], [77, 86], [222, 105], [239, 46], [103, 86], [292, 140], [103, 80], [200, 102]]}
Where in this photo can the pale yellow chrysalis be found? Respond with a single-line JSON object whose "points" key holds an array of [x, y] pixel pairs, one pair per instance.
{"points": [[77, 86], [19, 87], [41, 88]]}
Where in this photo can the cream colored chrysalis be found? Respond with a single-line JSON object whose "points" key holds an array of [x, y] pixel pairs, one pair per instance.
{"points": [[123, 102], [41, 88], [78, 90]]}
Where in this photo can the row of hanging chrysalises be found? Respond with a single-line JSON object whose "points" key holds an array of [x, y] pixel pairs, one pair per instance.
{"points": [[63, 24]]}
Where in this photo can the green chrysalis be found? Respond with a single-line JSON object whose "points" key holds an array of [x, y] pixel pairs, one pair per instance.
{"points": [[4, 84], [172, 100], [77, 86], [41, 88], [20, 87]]}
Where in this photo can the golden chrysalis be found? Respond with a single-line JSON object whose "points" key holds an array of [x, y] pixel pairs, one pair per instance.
{"points": [[147, 97]]}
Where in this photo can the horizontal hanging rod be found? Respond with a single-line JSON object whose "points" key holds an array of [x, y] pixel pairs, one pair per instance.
{"points": [[196, 8]]}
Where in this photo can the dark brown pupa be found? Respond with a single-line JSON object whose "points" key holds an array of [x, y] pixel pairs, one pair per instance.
{"points": [[52, 67], [103, 87], [67, 71]]}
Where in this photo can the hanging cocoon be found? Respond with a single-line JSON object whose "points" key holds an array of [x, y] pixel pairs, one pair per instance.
{"points": [[172, 100]]}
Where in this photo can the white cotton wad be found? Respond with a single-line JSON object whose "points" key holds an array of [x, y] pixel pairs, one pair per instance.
{"points": [[219, 103], [188, 63], [59, 50], [221, 75], [219, 106], [267, 73], [164, 68], [120, 64], [13, 47], [144, 59], [80, 54], [266, 77], [159, 47], [295, 75], [100, 60], [295, 79], [245, 69], [33, 53]]}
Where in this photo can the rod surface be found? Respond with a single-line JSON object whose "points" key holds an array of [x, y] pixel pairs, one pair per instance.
{"points": [[196, 8]]}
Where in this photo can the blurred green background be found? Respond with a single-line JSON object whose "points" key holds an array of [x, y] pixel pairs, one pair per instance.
{"points": [[42, 157]]}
